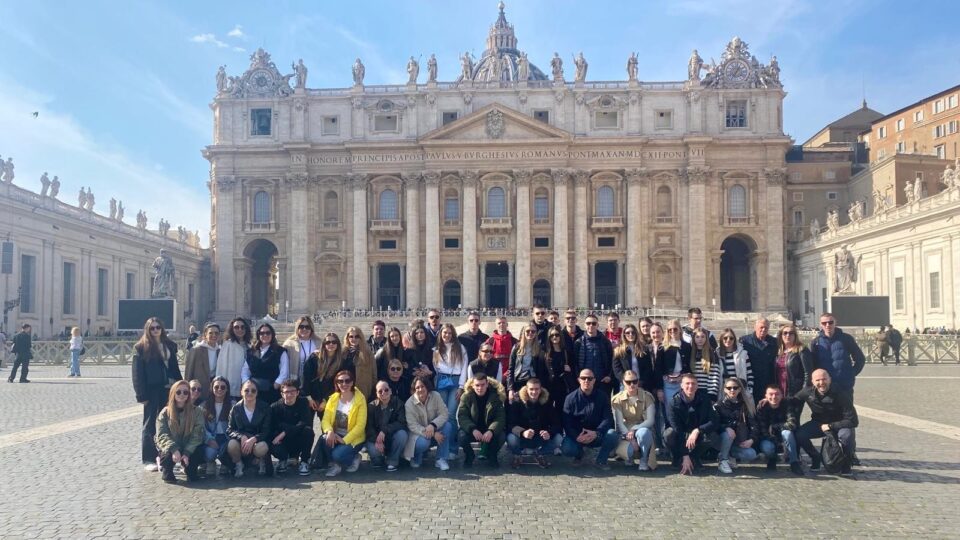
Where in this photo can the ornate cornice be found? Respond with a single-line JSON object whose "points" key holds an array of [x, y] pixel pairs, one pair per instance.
{"points": [[411, 179], [358, 180], [775, 175], [226, 183], [297, 180], [697, 175]]}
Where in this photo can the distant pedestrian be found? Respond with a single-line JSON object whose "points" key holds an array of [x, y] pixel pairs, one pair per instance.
{"points": [[23, 351], [76, 349], [895, 338], [3, 347]]}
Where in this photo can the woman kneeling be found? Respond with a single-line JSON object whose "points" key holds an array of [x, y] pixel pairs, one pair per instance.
{"points": [[250, 431], [180, 433]]}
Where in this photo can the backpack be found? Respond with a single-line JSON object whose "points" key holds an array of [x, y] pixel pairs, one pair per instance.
{"points": [[835, 457]]}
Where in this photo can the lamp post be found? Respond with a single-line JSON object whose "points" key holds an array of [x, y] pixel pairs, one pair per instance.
{"points": [[10, 305], [286, 311]]}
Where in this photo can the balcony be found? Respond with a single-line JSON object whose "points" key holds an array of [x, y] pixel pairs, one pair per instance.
{"points": [[607, 223], [541, 221], [496, 224], [665, 220], [740, 221], [260, 226], [451, 223], [331, 224], [386, 226]]}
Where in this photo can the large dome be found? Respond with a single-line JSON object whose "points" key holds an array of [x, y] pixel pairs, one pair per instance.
{"points": [[501, 57]]}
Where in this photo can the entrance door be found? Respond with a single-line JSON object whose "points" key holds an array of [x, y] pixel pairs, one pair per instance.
{"points": [[497, 284], [605, 290], [541, 292], [263, 278], [388, 286], [451, 294], [735, 275]]}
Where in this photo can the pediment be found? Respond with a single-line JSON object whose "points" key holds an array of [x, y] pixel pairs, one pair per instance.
{"points": [[496, 123]]}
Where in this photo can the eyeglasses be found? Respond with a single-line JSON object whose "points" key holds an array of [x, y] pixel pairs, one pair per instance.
{"points": [[433, 317], [183, 392], [396, 369], [589, 323], [727, 338], [330, 343], [219, 387], [304, 327], [156, 328], [344, 381], [249, 390], [587, 378], [732, 388], [265, 333], [827, 323], [631, 383]]}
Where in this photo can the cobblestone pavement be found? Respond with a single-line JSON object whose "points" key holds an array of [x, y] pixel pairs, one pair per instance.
{"points": [[88, 482]]}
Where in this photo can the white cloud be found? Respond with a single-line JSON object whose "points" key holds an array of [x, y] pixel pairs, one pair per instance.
{"points": [[209, 38], [239, 49], [237, 32]]}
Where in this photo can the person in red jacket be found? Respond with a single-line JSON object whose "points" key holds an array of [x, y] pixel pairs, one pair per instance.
{"points": [[502, 342]]}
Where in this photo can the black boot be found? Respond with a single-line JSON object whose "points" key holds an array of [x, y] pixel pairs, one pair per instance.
{"points": [[468, 456]]}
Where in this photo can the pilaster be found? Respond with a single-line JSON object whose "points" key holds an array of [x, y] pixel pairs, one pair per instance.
{"points": [[581, 269], [431, 180], [561, 239], [361, 272], [471, 289], [523, 276]]}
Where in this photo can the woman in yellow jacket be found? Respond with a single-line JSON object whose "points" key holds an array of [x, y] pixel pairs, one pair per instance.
{"points": [[344, 425]]}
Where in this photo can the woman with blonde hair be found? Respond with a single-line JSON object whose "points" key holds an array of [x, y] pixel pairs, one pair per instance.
{"points": [[180, 428], [526, 361], [739, 434], [794, 364], [320, 371], [76, 348], [630, 353], [358, 358], [301, 345], [344, 425]]}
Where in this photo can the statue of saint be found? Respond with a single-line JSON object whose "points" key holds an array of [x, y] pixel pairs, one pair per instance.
{"points": [[814, 228], [909, 192], [90, 199], [8, 171], [413, 70], [358, 72], [556, 65], [580, 63], [113, 208], [694, 66], [432, 69], [632, 67], [82, 198], [523, 67], [44, 183], [845, 270], [163, 277], [55, 187], [466, 66], [221, 79], [300, 71], [917, 190], [120, 211]]}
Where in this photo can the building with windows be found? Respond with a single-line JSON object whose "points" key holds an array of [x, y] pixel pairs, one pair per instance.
{"points": [[505, 187]]}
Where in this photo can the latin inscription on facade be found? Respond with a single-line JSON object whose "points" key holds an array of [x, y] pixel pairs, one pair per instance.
{"points": [[510, 155]]}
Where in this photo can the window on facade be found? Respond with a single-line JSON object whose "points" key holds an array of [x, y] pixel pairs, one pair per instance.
{"points": [[869, 288], [798, 217], [451, 243], [899, 301], [541, 206], [831, 195], [737, 201], [901, 147], [952, 127], [881, 153], [941, 151], [448, 116], [451, 206], [806, 301], [736, 114], [260, 121], [934, 290], [919, 176], [28, 283], [607, 241], [388, 244], [797, 196], [496, 203], [261, 207], [605, 204], [330, 126], [606, 119], [331, 284], [938, 106], [664, 202], [823, 300], [663, 119], [102, 292], [918, 116], [385, 122], [6, 258], [388, 205], [881, 132], [69, 287], [542, 115], [331, 207], [952, 101], [900, 124], [190, 297], [131, 286], [541, 242]]}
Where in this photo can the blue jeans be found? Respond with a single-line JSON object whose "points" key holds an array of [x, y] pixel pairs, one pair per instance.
{"points": [[607, 442], [341, 454], [769, 448], [449, 396], [543, 447], [423, 444], [727, 449], [75, 362], [393, 444], [210, 454], [644, 437]]}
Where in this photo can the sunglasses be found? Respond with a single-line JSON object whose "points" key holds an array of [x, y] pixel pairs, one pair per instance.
{"points": [[183, 392], [396, 369], [473, 320], [353, 337], [588, 323], [587, 378], [433, 317], [265, 333], [383, 391], [156, 328], [304, 327], [791, 333], [344, 381], [528, 332], [673, 329], [569, 318], [249, 390], [538, 313], [196, 389], [239, 327], [330, 343], [827, 323], [726, 338], [631, 383], [219, 387]]}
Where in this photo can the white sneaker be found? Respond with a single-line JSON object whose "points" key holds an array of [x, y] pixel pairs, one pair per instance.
{"points": [[725, 467], [151, 467], [211, 469], [334, 470], [238, 470], [643, 467], [443, 465], [355, 465], [304, 469]]}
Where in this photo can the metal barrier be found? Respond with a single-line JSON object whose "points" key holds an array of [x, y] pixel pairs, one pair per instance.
{"points": [[99, 352], [915, 349]]}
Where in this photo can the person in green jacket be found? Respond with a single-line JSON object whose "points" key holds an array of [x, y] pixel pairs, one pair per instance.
{"points": [[180, 433], [482, 418]]}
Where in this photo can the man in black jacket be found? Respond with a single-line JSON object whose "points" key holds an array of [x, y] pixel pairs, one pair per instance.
{"points": [[776, 421], [473, 337], [593, 351], [532, 423], [386, 428], [293, 424], [831, 410], [23, 350], [693, 425], [761, 349]]}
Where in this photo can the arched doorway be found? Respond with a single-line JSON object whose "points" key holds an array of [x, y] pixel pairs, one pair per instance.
{"points": [[496, 284], [736, 276], [451, 294], [263, 277], [541, 293]]}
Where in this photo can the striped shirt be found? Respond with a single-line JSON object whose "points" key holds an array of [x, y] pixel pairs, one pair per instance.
{"points": [[707, 381], [730, 369]]}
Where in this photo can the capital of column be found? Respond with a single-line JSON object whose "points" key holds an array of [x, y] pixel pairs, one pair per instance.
{"points": [[775, 175], [411, 179], [297, 180], [359, 181], [226, 183], [560, 176], [522, 177], [636, 176], [431, 178], [469, 177], [581, 177], [696, 175]]}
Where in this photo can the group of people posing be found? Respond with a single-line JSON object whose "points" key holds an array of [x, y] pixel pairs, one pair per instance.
{"points": [[644, 392]]}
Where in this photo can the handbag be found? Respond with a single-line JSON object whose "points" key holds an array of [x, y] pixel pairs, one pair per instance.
{"points": [[447, 382], [83, 350]]}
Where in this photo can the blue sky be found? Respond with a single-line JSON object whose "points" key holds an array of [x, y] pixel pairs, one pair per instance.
{"points": [[123, 88]]}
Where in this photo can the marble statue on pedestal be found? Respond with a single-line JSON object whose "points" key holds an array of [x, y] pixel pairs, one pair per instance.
{"points": [[413, 70], [694, 66], [358, 72], [580, 63], [556, 65], [55, 187], [44, 184], [300, 71], [632, 67], [163, 277], [432, 69], [845, 270]]}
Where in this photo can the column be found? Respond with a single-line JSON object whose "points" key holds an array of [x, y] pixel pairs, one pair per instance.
{"points": [[283, 290], [522, 279], [403, 292], [561, 240], [483, 285], [229, 280], [241, 294], [636, 179], [776, 270], [581, 276], [696, 264], [511, 290], [300, 263], [431, 272], [361, 274], [620, 283], [412, 270], [470, 285]]}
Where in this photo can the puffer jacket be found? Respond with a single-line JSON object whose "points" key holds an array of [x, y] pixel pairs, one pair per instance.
{"points": [[169, 441], [840, 356], [734, 415], [539, 415], [494, 415]]}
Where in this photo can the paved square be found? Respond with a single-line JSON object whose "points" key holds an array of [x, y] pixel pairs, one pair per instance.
{"points": [[69, 467]]}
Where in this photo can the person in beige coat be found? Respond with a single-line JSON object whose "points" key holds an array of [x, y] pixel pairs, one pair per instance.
{"points": [[427, 421], [301, 345], [634, 418], [202, 359]]}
